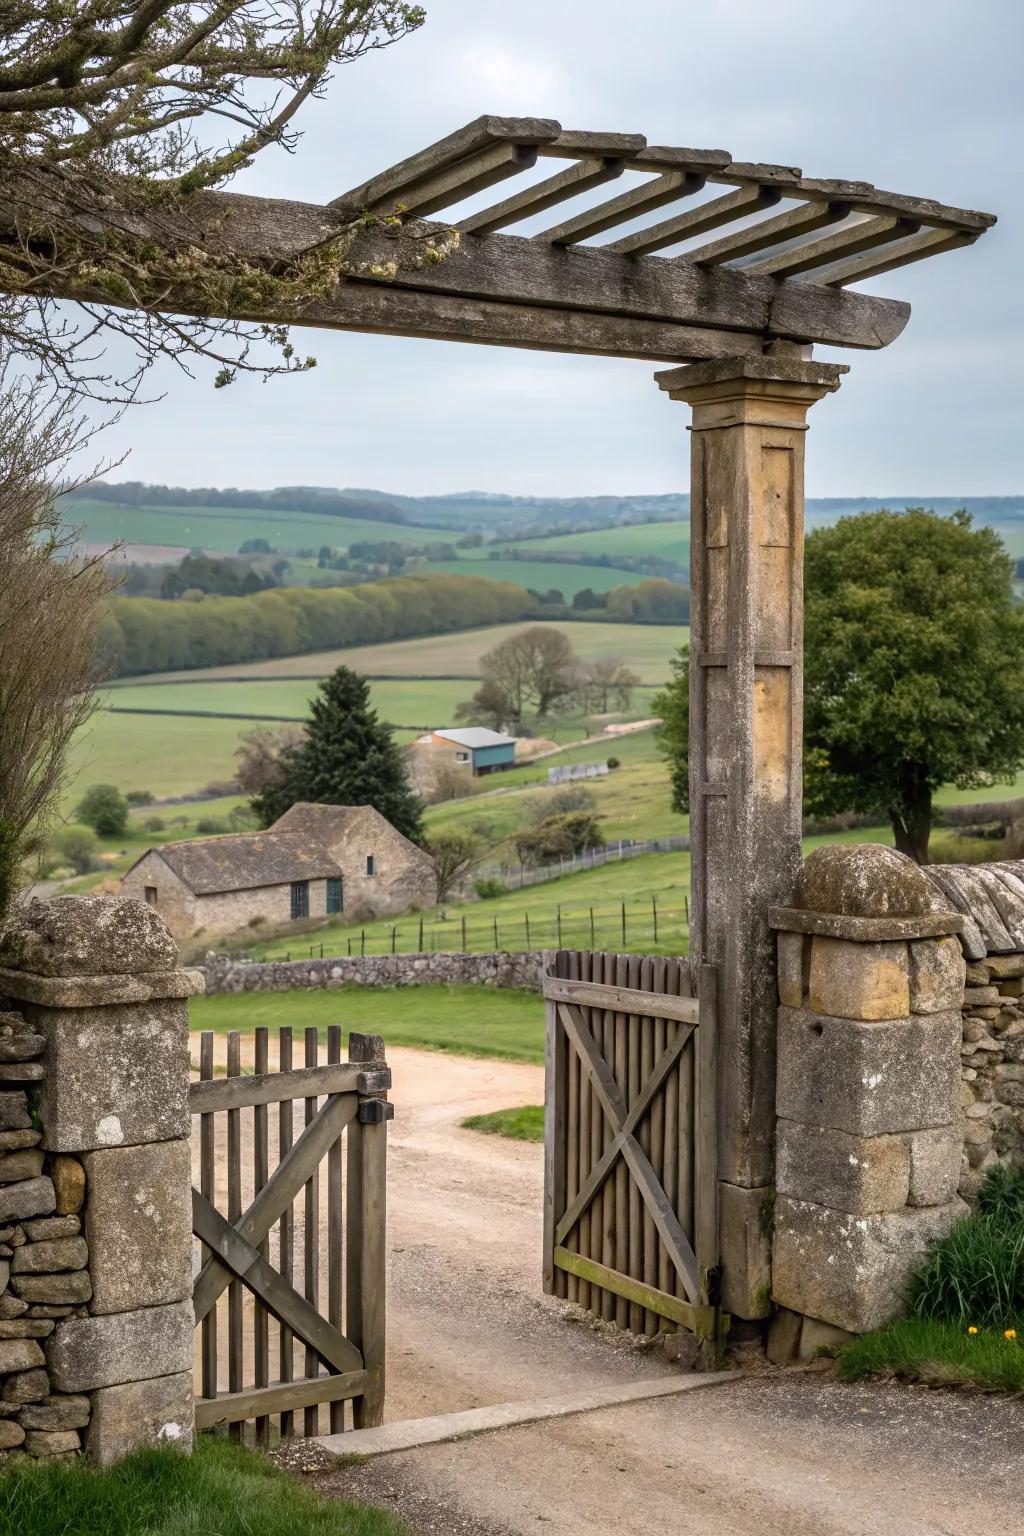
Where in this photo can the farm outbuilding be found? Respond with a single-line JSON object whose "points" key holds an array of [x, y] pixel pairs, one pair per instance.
{"points": [[473, 747], [315, 861]]}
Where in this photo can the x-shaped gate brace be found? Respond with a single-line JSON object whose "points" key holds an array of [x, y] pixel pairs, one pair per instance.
{"points": [[700, 1278]]}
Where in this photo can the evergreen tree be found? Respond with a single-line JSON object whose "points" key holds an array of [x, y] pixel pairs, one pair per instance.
{"points": [[346, 757]]}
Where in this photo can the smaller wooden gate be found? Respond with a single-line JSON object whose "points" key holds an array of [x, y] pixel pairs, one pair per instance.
{"points": [[630, 1196], [270, 1241]]}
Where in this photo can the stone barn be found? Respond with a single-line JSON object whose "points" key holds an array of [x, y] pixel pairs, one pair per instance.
{"points": [[315, 861]]}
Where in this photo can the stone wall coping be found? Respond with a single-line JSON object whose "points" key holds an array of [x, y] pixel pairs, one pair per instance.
{"points": [[96, 991], [865, 930]]}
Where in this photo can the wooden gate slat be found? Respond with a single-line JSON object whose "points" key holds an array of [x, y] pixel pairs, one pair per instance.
{"points": [[207, 1157], [335, 1234], [261, 1172], [311, 1235], [234, 1160], [286, 1224]]}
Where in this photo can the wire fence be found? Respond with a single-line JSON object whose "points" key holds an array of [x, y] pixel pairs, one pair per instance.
{"points": [[517, 876], [643, 923]]}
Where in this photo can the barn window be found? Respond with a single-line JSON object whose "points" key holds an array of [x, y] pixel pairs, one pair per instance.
{"points": [[151, 895], [369, 864], [462, 757], [300, 898], [334, 896]]}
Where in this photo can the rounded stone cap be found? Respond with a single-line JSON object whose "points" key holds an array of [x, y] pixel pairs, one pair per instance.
{"points": [[863, 880], [87, 936]]}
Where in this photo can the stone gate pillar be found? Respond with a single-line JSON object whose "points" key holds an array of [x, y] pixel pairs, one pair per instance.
{"points": [[100, 1235], [746, 720]]}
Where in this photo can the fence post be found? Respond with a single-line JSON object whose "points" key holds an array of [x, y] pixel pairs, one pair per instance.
{"points": [[463, 932], [654, 916], [421, 934], [559, 925], [526, 920], [367, 1216], [362, 941], [623, 925], [592, 941], [394, 936], [497, 944]]}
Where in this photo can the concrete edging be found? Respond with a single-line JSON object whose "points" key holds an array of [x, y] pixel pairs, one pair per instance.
{"points": [[409, 1434]]}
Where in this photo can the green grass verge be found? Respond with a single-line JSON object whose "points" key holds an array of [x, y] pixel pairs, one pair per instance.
{"points": [[459, 1021], [221, 1490], [542, 575], [525, 1124], [936, 1354]]}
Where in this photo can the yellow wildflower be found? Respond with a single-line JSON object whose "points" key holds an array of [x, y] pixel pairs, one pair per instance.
{"points": [[972, 1329], [1010, 1333]]}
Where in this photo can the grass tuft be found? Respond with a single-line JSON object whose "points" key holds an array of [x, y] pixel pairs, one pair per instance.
{"points": [[221, 1490], [936, 1354], [525, 1124]]}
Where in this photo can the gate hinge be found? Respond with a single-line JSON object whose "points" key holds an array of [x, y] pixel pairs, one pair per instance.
{"points": [[713, 1285], [375, 1112]]}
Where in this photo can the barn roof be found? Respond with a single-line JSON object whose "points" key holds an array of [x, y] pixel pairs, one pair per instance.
{"points": [[319, 821], [243, 861], [477, 736], [991, 899]]}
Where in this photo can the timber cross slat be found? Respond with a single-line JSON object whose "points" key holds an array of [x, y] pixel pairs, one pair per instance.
{"points": [[341, 1345], [590, 282], [631, 1226]]}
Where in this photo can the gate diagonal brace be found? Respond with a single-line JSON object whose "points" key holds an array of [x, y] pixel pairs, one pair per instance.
{"points": [[271, 1288], [654, 1197]]}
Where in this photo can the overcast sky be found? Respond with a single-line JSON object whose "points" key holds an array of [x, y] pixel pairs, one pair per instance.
{"points": [[917, 96]]}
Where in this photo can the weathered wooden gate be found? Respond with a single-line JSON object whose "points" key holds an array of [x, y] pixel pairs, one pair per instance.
{"points": [[250, 1305], [630, 1195]]}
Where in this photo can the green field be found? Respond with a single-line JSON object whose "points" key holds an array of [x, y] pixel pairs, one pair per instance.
{"points": [[462, 1021], [670, 541], [647, 648], [222, 531], [402, 703], [541, 576], [164, 754]]}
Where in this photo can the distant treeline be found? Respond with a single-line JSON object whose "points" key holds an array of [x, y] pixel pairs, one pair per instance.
{"points": [[133, 493], [143, 634], [656, 564]]}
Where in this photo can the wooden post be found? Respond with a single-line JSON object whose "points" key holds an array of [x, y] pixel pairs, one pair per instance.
{"points": [[420, 941], [746, 698], [365, 1250], [463, 932]]}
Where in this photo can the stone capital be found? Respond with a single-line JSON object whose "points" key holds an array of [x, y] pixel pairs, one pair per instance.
{"points": [[772, 390]]}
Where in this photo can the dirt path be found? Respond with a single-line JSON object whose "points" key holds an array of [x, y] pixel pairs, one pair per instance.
{"points": [[775, 1455]]}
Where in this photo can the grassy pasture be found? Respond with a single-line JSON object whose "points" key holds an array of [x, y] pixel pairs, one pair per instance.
{"points": [[461, 1021], [400, 701], [223, 530], [647, 648], [669, 540]]}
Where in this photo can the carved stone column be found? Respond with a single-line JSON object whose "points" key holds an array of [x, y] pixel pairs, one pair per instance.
{"points": [[746, 695]]}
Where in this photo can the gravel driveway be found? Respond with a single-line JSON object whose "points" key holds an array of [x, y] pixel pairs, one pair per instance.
{"points": [[776, 1454]]}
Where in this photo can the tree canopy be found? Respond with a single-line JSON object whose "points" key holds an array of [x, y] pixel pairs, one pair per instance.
{"points": [[914, 670], [347, 757]]}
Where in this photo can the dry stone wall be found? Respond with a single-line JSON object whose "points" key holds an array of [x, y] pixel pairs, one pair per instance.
{"points": [[95, 1209], [223, 973], [44, 1259], [990, 899]]}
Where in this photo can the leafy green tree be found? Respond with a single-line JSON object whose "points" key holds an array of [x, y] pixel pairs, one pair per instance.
{"points": [[914, 670], [347, 757], [914, 666], [672, 706], [453, 855], [105, 809], [76, 846]]}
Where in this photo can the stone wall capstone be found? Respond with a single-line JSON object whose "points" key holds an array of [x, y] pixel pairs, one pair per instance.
{"points": [[225, 973], [95, 1209]]}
